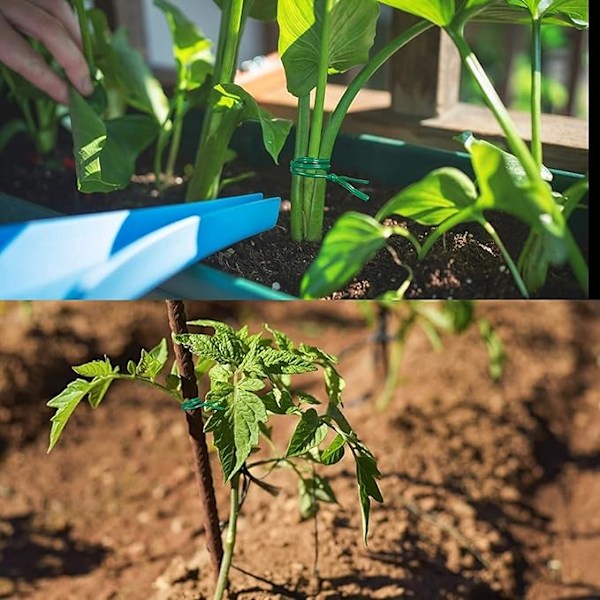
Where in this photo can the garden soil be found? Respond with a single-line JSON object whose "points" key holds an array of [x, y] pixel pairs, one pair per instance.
{"points": [[492, 489], [464, 264]]}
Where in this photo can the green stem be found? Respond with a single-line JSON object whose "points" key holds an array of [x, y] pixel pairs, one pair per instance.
{"points": [[88, 48], [177, 130], [154, 384], [234, 510], [507, 257], [494, 102], [461, 217], [339, 114], [313, 198], [205, 182], [298, 222], [536, 92], [577, 262]]}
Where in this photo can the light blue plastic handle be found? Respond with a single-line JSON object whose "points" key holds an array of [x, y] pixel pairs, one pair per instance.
{"points": [[122, 254]]}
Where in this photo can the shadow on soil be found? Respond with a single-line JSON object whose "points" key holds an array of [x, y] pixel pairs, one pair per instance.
{"points": [[29, 552]]}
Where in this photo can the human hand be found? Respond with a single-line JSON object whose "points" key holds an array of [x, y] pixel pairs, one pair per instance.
{"points": [[53, 23]]}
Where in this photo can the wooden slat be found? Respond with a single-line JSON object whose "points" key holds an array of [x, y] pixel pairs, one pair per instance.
{"points": [[425, 75], [566, 140], [130, 15]]}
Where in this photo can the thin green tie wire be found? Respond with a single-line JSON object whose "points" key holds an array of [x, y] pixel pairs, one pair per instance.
{"points": [[194, 403], [318, 168]]}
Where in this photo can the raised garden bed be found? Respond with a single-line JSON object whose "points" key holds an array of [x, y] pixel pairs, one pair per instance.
{"points": [[464, 265]]}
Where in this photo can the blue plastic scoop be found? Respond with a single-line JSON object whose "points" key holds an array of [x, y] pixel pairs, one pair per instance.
{"points": [[124, 254]]}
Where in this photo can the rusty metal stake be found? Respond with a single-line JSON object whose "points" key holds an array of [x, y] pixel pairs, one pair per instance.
{"points": [[189, 387]]}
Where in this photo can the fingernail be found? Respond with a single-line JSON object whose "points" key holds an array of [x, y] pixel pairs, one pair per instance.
{"points": [[86, 87]]}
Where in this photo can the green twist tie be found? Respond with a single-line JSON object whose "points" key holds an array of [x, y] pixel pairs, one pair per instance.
{"points": [[318, 168], [194, 403]]}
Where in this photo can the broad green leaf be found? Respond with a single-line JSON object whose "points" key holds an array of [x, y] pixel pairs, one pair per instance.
{"points": [[440, 195], [95, 368], [191, 49], [574, 13], [264, 10], [274, 130], [144, 91], [335, 451], [106, 153], [235, 429], [65, 403], [501, 187], [350, 35], [367, 474], [310, 432], [439, 12], [352, 241]]}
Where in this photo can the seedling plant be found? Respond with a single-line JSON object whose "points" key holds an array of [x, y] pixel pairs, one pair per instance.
{"points": [[250, 379], [514, 183], [395, 321]]}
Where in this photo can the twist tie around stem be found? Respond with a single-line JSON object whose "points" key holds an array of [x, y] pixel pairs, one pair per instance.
{"points": [[194, 403], [317, 168]]}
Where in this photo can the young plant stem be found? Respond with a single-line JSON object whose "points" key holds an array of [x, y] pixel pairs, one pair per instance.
{"points": [[375, 63], [461, 217], [313, 197], [189, 388], [234, 511], [507, 257], [176, 135], [86, 38], [536, 92], [214, 138], [494, 102], [313, 193], [298, 224]]}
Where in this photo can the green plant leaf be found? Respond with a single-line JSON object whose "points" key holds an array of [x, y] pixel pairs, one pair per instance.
{"points": [[264, 10], [280, 402], [439, 12], [65, 403], [98, 389], [351, 35], [440, 195], [106, 153], [227, 97], [144, 91], [225, 346], [236, 429], [191, 49], [284, 362], [311, 491], [309, 432], [573, 13], [151, 362], [367, 474], [502, 186], [335, 451], [9, 130], [95, 368], [352, 241]]}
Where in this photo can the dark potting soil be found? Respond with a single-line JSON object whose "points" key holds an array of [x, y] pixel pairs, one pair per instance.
{"points": [[466, 264]]}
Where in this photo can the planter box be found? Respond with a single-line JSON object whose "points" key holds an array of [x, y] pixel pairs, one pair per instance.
{"points": [[385, 161]]}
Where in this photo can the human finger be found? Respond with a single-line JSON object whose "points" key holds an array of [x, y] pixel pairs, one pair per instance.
{"points": [[63, 12], [19, 56], [34, 21]]}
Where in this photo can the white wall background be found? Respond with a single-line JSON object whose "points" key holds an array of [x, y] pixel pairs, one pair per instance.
{"points": [[207, 15]]}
